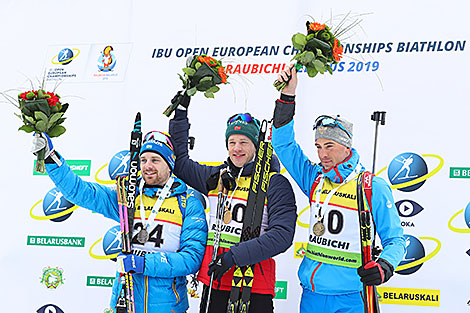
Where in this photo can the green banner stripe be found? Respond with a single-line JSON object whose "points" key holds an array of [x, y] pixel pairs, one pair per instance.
{"points": [[99, 281], [56, 241], [281, 290], [459, 172], [226, 241], [335, 257], [79, 167]]}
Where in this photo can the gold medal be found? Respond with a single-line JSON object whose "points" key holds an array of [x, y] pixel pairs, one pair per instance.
{"points": [[227, 216], [318, 228]]}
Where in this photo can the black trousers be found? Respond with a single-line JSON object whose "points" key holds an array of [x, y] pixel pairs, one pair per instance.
{"points": [[259, 303]]}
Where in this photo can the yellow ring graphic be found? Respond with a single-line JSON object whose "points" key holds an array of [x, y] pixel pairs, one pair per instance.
{"points": [[298, 218], [422, 178], [457, 230], [101, 257], [52, 216], [422, 260], [69, 60], [105, 182]]}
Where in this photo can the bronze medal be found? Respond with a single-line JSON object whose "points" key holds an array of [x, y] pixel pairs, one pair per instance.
{"points": [[143, 236], [318, 228], [227, 216]]}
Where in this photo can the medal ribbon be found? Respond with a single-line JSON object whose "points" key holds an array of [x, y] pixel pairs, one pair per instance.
{"points": [[317, 193], [164, 193]]}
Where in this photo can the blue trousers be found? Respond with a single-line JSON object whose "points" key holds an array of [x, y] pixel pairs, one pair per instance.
{"points": [[312, 302]]}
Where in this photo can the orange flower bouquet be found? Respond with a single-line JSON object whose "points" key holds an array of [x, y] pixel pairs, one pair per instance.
{"points": [[317, 51], [202, 73]]}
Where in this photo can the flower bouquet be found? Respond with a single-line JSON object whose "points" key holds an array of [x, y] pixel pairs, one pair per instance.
{"points": [[202, 73], [41, 111], [317, 51]]}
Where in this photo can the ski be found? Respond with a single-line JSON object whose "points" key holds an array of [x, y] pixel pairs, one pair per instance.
{"points": [[371, 304], [126, 191], [242, 281]]}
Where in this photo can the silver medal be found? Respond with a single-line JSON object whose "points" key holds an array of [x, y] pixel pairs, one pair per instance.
{"points": [[143, 236]]}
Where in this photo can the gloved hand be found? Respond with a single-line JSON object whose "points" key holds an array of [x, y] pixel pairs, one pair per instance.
{"points": [[221, 265], [130, 263], [375, 273], [42, 140], [228, 180], [182, 99]]}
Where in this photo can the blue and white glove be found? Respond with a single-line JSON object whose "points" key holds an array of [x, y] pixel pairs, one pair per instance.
{"points": [[130, 263], [42, 140]]}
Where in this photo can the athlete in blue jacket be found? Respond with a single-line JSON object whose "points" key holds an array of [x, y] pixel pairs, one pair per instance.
{"points": [[331, 272], [178, 232]]}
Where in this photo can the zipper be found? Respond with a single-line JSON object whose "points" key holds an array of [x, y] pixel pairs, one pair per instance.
{"points": [[174, 290], [313, 274], [145, 294]]}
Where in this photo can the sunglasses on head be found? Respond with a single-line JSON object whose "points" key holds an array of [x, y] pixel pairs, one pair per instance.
{"points": [[246, 117], [325, 120], [159, 136]]}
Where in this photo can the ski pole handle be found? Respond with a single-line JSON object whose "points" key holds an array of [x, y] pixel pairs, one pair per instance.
{"points": [[377, 117]]}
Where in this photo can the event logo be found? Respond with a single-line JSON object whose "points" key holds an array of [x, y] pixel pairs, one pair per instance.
{"points": [[300, 250], [415, 255], [107, 60], [65, 56], [54, 203], [111, 244], [49, 308], [407, 168], [56, 208], [52, 277], [119, 164], [467, 220]]}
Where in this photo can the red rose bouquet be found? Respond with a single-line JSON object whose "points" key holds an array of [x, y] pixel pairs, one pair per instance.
{"points": [[40, 111]]}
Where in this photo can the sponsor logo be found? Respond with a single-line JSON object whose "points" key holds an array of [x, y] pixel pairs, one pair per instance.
{"points": [[300, 250], [408, 171], [119, 164], [65, 56], [56, 241], [79, 167], [408, 209], [280, 289], [52, 278], [459, 172], [415, 255], [49, 308], [408, 296], [99, 281]]}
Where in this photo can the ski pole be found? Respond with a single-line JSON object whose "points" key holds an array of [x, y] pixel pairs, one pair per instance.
{"points": [[221, 199], [377, 117]]}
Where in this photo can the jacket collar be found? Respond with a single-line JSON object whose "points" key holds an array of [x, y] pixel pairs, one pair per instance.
{"points": [[340, 171]]}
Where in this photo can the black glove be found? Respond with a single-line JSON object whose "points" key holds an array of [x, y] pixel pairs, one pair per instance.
{"points": [[228, 180], [375, 273], [221, 265], [181, 98]]}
